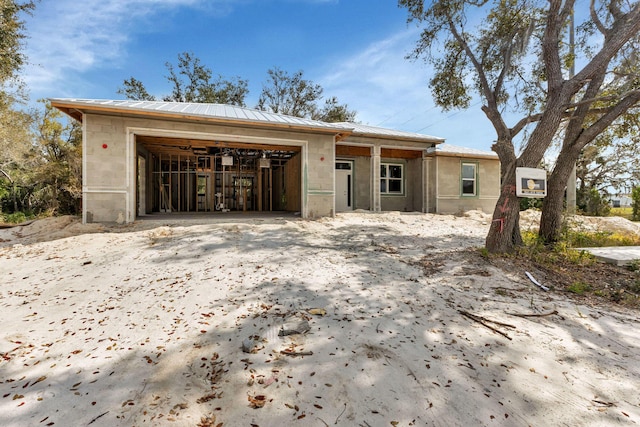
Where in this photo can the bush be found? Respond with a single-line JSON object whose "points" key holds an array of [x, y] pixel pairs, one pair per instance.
{"points": [[635, 204], [530, 203], [14, 218], [592, 202]]}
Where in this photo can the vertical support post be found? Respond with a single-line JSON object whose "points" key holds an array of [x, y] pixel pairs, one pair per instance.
{"points": [[171, 181], [270, 190], [376, 205], [179, 184], [260, 172], [425, 183]]}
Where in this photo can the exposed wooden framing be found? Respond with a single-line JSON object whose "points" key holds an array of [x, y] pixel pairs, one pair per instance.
{"points": [[353, 150], [270, 190], [171, 182], [177, 146], [178, 189], [260, 173], [253, 186], [394, 153]]}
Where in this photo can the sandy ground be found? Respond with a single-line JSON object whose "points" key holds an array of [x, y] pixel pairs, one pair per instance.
{"points": [[145, 325]]}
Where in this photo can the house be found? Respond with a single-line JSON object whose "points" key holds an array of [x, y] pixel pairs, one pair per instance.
{"points": [[144, 157]]}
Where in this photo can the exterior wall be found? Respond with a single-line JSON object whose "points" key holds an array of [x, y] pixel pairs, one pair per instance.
{"points": [[362, 183], [318, 170], [432, 184], [107, 171], [449, 197], [415, 183], [412, 187], [109, 193]]}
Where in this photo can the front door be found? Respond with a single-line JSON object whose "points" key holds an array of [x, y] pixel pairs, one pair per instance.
{"points": [[344, 186]]}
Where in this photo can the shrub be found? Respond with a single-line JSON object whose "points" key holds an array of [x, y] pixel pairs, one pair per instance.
{"points": [[635, 204], [14, 218], [579, 288]]}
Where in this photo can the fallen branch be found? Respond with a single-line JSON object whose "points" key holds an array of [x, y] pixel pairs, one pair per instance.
{"points": [[338, 419], [484, 322], [600, 402], [551, 313], [296, 353], [96, 418], [535, 282]]}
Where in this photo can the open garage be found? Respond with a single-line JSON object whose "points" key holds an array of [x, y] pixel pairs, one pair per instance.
{"points": [[191, 175]]}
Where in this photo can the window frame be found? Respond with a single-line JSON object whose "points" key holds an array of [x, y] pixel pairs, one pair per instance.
{"points": [[475, 179], [387, 179]]}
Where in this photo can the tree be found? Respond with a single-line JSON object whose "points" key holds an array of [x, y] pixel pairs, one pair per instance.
{"points": [[295, 96], [57, 162], [13, 123], [516, 62], [134, 89], [12, 35], [15, 142], [635, 204], [291, 95], [333, 112], [191, 81], [609, 162]]}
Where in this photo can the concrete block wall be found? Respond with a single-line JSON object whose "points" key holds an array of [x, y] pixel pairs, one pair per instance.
{"points": [[105, 170], [320, 176], [109, 184], [449, 198]]}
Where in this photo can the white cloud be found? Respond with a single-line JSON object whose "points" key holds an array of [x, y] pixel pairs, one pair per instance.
{"points": [[380, 83], [388, 90], [70, 36]]}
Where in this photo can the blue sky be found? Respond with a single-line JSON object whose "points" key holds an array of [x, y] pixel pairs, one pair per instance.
{"points": [[355, 49]]}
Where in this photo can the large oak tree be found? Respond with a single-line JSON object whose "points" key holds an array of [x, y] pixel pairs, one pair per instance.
{"points": [[514, 55]]}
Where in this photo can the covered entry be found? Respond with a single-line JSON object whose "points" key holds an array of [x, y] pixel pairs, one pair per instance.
{"points": [[194, 175]]}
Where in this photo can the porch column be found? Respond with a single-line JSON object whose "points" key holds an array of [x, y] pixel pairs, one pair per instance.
{"points": [[426, 165], [376, 205]]}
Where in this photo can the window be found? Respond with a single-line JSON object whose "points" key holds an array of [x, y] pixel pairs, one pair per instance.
{"points": [[469, 179], [391, 181]]}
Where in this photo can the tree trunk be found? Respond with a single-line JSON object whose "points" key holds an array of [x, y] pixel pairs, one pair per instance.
{"points": [[552, 208], [553, 204], [504, 234]]}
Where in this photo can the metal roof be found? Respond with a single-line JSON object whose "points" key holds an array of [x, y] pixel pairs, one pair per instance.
{"points": [[193, 110], [454, 150], [367, 130], [232, 113]]}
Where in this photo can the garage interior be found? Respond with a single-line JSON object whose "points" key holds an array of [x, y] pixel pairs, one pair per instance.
{"points": [[191, 175]]}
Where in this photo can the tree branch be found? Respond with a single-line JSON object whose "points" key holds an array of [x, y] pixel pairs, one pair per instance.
{"points": [[624, 28], [595, 18], [628, 102], [7, 175]]}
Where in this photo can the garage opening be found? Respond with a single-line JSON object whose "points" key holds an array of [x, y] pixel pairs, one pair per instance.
{"points": [[179, 175]]}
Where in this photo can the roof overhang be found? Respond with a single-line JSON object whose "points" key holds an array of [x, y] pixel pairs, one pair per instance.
{"points": [[78, 108]]}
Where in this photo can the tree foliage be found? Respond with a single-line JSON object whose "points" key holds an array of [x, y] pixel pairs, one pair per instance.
{"points": [[14, 140], [191, 81], [42, 166], [15, 143], [635, 204], [56, 157], [611, 163], [293, 95], [332, 112], [516, 60], [12, 36]]}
